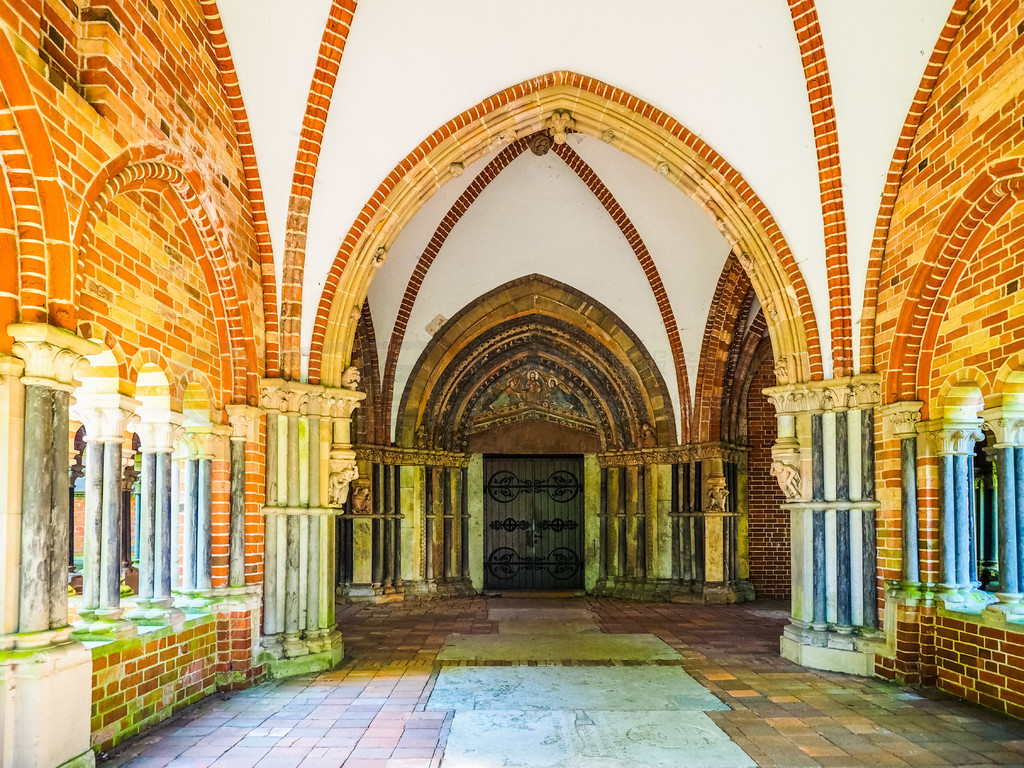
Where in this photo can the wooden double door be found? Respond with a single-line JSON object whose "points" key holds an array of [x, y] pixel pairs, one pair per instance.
{"points": [[533, 522]]}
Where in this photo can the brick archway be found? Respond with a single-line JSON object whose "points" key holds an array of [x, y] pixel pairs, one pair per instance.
{"points": [[130, 172], [638, 129], [948, 254]]}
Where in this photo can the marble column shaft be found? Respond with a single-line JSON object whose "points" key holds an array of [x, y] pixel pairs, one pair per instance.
{"points": [[110, 562], [908, 499], [1009, 541], [37, 529], [236, 525]]}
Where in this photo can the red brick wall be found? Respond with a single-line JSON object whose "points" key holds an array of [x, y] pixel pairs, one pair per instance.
{"points": [[981, 664], [139, 682], [768, 523]]}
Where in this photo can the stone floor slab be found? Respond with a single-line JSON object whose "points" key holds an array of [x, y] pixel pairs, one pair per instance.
{"points": [[583, 647], [530, 739], [618, 689]]}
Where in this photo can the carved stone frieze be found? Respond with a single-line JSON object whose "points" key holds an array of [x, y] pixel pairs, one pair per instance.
{"points": [[52, 356], [680, 454], [410, 457], [852, 392]]}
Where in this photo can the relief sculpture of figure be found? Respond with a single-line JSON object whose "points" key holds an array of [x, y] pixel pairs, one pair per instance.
{"points": [[788, 477], [337, 486], [361, 500]]}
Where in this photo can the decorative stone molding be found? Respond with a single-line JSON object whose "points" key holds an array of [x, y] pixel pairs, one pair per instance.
{"points": [[410, 457], [52, 355], [105, 415], [953, 437], [283, 396], [11, 366], [159, 430], [244, 421], [900, 420], [852, 392], [559, 124], [681, 454], [1007, 424]]}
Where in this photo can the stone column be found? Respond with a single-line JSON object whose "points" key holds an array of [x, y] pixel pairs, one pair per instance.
{"points": [[954, 439], [823, 460], [1007, 424], [900, 421], [310, 465], [106, 416], [45, 677], [243, 420], [198, 446], [158, 431]]}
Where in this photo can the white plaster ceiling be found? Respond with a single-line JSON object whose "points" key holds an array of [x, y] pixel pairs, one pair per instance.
{"points": [[729, 71]]}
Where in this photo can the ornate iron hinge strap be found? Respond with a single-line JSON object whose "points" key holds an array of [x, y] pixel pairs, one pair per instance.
{"points": [[505, 563], [505, 486], [510, 524]]}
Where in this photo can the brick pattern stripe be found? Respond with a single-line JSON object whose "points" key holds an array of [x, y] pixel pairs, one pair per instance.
{"points": [[934, 280], [830, 180], [311, 136], [40, 206], [719, 333], [894, 178], [522, 92], [253, 187]]}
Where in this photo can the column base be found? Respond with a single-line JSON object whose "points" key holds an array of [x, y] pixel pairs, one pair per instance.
{"points": [[41, 687], [964, 599], [150, 614], [294, 645], [330, 657], [1010, 605], [103, 626], [830, 650]]}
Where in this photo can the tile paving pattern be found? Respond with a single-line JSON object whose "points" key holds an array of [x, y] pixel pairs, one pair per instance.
{"points": [[370, 711]]}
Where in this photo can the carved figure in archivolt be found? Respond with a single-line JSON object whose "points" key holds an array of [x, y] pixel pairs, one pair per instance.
{"points": [[788, 478]]}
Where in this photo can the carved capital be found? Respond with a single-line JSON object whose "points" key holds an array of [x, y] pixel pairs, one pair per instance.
{"points": [[900, 420], [1007, 424], [52, 355], [283, 396], [852, 392], [244, 421], [105, 415], [198, 443], [953, 437], [158, 430]]}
